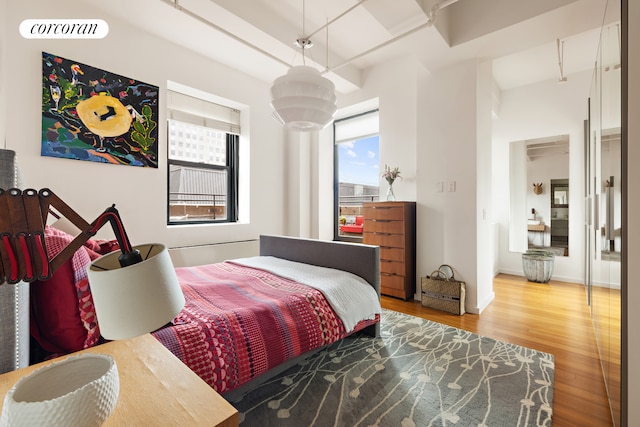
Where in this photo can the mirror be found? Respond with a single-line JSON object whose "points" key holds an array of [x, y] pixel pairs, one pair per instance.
{"points": [[560, 214], [559, 195], [603, 231], [539, 194], [611, 194]]}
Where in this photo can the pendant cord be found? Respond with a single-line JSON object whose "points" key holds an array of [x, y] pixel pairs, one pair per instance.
{"points": [[304, 34], [327, 48]]}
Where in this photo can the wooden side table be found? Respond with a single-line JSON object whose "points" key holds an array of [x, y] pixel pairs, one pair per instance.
{"points": [[156, 389]]}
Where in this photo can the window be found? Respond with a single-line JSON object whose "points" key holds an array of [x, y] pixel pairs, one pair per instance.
{"points": [[203, 161], [357, 172]]}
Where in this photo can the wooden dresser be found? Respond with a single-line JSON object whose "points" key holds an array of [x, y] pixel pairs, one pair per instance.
{"points": [[392, 226]]}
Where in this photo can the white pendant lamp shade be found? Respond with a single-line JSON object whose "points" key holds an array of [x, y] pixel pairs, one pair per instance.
{"points": [[303, 100]]}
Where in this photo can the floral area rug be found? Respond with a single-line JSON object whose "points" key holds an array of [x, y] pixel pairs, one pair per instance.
{"points": [[417, 373]]}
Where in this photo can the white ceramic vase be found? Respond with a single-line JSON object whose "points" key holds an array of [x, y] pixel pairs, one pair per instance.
{"points": [[79, 391]]}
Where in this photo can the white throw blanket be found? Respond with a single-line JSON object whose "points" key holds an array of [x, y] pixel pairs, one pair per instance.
{"points": [[350, 296]]}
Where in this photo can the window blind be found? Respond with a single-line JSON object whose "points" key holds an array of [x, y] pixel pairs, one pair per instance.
{"points": [[357, 127], [199, 112]]}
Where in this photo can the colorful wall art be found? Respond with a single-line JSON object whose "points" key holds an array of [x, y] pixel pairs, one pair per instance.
{"points": [[92, 114]]}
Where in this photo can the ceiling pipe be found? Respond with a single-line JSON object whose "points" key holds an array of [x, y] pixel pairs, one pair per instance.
{"points": [[380, 46], [335, 19], [431, 18], [444, 4], [177, 6]]}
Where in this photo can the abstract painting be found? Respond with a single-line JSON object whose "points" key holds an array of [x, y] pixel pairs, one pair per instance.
{"points": [[95, 115]]}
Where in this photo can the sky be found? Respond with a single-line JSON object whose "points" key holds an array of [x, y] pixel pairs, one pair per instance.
{"points": [[359, 161]]}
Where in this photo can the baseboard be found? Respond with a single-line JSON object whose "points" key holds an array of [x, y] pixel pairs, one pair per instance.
{"points": [[553, 276], [473, 310], [485, 303]]}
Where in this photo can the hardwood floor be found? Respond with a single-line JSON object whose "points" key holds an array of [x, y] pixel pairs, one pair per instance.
{"points": [[551, 317]]}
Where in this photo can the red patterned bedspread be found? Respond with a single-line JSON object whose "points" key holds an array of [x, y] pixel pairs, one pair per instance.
{"points": [[239, 322]]}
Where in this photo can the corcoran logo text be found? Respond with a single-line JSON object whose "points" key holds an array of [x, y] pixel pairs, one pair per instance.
{"points": [[64, 28]]}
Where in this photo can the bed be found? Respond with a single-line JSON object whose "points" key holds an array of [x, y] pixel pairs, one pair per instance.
{"points": [[261, 315], [224, 338]]}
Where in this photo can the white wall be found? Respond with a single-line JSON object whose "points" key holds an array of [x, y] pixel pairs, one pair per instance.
{"points": [[431, 127], [447, 152], [395, 86], [486, 227], [535, 111], [139, 193], [4, 6]]}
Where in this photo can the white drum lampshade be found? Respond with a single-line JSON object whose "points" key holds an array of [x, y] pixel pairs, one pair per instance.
{"points": [[138, 298], [79, 391], [303, 100]]}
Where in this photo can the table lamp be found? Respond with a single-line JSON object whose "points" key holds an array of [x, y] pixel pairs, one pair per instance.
{"points": [[134, 291]]}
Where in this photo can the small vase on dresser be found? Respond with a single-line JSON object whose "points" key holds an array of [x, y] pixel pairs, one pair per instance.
{"points": [[390, 175], [391, 197]]}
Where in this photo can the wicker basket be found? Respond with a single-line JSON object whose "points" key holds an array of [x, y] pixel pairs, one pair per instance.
{"points": [[443, 292]]}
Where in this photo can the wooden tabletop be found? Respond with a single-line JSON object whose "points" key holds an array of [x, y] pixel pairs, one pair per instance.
{"points": [[156, 389]]}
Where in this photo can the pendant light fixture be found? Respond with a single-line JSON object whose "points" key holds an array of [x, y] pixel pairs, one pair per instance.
{"points": [[302, 99]]}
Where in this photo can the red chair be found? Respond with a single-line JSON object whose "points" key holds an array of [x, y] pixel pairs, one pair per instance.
{"points": [[353, 228]]}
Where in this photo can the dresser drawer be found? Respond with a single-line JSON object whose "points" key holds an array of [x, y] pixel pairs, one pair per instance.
{"points": [[384, 226], [392, 282], [398, 293], [391, 254], [392, 267], [383, 239], [395, 213]]}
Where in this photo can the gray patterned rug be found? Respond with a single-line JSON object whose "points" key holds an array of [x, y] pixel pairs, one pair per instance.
{"points": [[418, 373]]}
